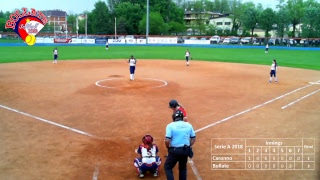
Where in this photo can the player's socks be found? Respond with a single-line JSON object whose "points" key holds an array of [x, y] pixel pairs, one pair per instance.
{"points": [[270, 79]]}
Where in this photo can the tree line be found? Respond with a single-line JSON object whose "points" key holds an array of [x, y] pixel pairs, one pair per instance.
{"points": [[167, 17]]}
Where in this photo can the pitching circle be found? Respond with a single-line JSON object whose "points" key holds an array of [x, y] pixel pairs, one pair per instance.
{"points": [[164, 83]]}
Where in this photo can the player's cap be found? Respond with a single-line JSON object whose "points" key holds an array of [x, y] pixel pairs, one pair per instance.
{"points": [[173, 103]]}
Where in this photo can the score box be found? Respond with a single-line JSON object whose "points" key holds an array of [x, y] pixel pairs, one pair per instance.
{"points": [[262, 154]]}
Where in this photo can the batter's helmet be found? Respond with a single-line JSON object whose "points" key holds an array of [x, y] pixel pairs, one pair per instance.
{"points": [[147, 139], [173, 103], [177, 115]]}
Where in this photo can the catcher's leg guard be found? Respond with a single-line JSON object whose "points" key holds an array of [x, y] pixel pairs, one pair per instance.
{"points": [[137, 164]]}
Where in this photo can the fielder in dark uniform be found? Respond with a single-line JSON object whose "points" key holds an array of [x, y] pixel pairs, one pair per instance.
{"points": [[180, 136]]}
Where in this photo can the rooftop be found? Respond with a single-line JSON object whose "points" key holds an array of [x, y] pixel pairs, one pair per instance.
{"points": [[56, 12]]}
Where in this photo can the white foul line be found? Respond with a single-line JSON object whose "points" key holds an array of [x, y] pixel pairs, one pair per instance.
{"points": [[49, 122], [194, 169], [283, 107], [95, 173], [250, 109]]}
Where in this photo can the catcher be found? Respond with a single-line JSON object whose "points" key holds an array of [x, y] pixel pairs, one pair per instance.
{"points": [[147, 159]]}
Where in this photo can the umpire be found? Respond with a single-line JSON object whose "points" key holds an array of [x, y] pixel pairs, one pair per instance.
{"points": [[180, 136]]}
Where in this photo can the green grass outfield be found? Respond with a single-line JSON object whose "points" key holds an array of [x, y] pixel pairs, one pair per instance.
{"points": [[289, 58]]}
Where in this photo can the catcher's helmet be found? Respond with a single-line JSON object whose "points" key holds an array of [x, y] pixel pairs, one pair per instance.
{"points": [[147, 139], [177, 115], [173, 103]]}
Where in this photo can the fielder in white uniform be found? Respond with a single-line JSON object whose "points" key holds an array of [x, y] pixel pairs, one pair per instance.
{"points": [[132, 63], [188, 54], [55, 56], [273, 72], [107, 45]]}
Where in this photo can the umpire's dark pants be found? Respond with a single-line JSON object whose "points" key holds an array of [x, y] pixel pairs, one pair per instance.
{"points": [[177, 155]]}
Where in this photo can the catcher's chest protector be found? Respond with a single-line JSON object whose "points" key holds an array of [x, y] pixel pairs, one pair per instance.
{"points": [[148, 157]]}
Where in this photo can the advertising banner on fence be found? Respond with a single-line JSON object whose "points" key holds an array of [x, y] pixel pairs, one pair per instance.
{"points": [[131, 41], [101, 41], [141, 41], [88, 41], [188, 41], [162, 40], [44, 40], [76, 41], [68, 40], [116, 41]]}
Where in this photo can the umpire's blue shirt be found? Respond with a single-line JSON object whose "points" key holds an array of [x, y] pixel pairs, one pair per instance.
{"points": [[180, 132]]}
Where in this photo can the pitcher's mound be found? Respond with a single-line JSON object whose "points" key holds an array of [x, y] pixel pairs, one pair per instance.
{"points": [[124, 83]]}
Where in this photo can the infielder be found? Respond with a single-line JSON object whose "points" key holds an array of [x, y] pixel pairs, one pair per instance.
{"points": [[188, 54], [147, 159], [175, 106], [55, 56], [132, 63], [273, 72]]}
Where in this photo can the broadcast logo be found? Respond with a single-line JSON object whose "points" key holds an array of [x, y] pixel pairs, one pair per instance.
{"points": [[27, 24]]}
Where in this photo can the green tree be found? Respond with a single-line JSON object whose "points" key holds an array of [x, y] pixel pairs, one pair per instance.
{"points": [[100, 17], [2, 25], [250, 16], [2, 14], [157, 25], [224, 6], [236, 9], [122, 26], [211, 30], [132, 19], [200, 15], [175, 27], [72, 22], [311, 22], [267, 20], [295, 12], [282, 19]]}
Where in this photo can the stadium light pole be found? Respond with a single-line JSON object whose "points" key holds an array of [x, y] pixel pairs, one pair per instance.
{"points": [[66, 19], [115, 27], [54, 27], [147, 23], [86, 26]]}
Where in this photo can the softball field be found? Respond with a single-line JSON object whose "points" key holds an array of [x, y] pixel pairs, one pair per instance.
{"points": [[83, 119]]}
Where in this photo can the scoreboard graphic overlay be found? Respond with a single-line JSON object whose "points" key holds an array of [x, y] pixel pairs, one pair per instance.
{"points": [[262, 154]]}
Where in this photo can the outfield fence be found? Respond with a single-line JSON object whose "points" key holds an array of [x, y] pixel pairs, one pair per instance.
{"points": [[165, 40]]}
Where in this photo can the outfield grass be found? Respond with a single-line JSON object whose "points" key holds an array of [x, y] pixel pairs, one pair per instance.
{"points": [[288, 58]]}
